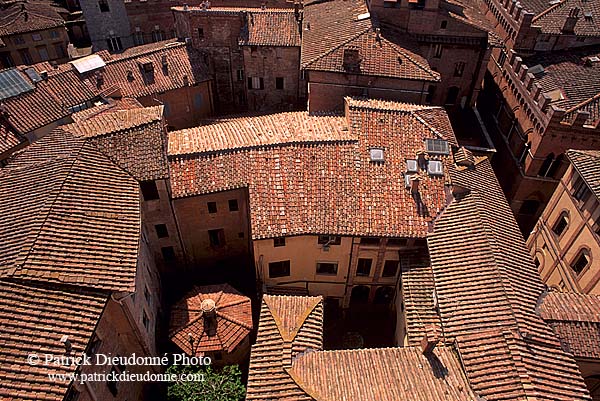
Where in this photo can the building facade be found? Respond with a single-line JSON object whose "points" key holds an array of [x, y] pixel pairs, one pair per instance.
{"points": [[566, 239]]}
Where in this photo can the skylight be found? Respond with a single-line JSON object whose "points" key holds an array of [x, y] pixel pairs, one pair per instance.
{"points": [[13, 83], [89, 63], [438, 146]]}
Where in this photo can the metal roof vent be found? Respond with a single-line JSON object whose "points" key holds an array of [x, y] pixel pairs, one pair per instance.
{"points": [[411, 166], [377, 155], [437, 146], [435, 167]]}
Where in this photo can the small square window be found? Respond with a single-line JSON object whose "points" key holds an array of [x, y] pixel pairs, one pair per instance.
{"points": [[327, 268], [279, 241], [149, 190], [212, 207], [200, 33], [444, 24], [36, 37], [376, 154], [363, 267], [216, 237], [581, 261], [103, 4], [233, 205], [390, 268], [279, 83], [279, 269], [161, 230], [168, 253]]}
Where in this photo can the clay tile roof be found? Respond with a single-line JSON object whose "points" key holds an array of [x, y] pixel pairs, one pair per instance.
{"points": [[52, 100], [568, 72], [551, 18], [184, 67], [233, 320], [73, 193], [134, 139], [393, 374], [10, 139], [33, 320], [289, 326], [587, 164], [317, 186], [270, 28], [108, 107], [378, 57], [576, 320], [488, 289], [28, 16], [418, 291]]}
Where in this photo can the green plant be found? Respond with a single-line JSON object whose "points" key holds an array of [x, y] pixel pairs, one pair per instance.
{"points": [[224, 384]]}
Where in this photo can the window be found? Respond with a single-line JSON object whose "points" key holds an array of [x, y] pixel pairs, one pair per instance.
{"points": [[581, 261], [103, 4], [363, 267], [452, 95], [233, 205], [279, 83], [369, 241], [161, 230], [149, 190], [545, 167], [94, 346], [582, 192], [43, 52], [240, 75], [212, 207], [560, 224], [329, 240], [327, 268], [256, 83], [430, 93], [60, 50], [502, 58], [114, 44], [437, 51], [18, 40], [437, 146], [36, 37], [444, 25], [198, 100], [168, 253], [279, 269], [158, 35], [216, 237], [279, 241], [200, 33], [25, 56], [390, 268], [6, 60], [54, 34], [138, 38], [529, 207], [459, 68]]}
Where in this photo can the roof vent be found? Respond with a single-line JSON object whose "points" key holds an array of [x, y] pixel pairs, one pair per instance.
{"points": [[411, 166], [435, 167], [376, 155], [536, 69], [437, 146], [129, 75]]}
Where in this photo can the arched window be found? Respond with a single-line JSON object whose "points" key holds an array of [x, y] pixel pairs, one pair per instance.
{"points": [[581, 261], [524, 153], [561, 224], [360, 295]]}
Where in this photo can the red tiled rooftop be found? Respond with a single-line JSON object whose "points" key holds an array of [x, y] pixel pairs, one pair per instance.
{"points": [[233, 320], [28, 16], [271, 28], [316, 186]]}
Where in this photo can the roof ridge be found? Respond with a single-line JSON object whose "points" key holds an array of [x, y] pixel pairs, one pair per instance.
{"points": [[150, 50], [356, 36], [548, 10], [580, 105], [402, 51]]}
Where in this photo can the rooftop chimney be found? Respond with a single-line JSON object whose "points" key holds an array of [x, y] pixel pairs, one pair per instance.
{"points": [[571, 21], [351, 59], [430, 339], [209, 312]]}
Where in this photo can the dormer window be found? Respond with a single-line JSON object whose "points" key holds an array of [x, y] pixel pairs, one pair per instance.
{"points": [[146, 65], [437, 146], [435, 167], [376, 155]]}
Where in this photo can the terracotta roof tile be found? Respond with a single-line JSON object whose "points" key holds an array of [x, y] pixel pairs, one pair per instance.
{"points": [[271, 28], [10, 139], [316, 186], [274, 349], [33, 320], [576, 320], [387, 374], [488, 289], [233, 317], [73, 193], [28, 16], [553, 17], [587, 164]]}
